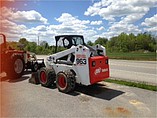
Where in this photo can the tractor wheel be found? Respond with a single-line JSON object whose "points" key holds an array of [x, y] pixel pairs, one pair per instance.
{"points": [[34, 67], [65, 81], [16, 67], [47, 77]]}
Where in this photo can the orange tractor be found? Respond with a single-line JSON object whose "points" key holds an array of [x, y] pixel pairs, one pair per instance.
{"points": [[14, 62]]}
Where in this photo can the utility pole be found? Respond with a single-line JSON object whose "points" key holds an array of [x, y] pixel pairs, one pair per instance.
{"points": [[38, 40]]}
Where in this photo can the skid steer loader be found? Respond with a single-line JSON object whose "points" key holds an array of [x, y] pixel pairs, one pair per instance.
{"points": [[74, 62]]}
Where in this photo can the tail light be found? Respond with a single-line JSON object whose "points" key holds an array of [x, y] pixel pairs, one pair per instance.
{"points": [[93, 63], [106, 61]]}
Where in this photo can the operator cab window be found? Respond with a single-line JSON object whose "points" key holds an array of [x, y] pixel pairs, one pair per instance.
{"points": [[66, 42], [60, 45], [77, 40]]}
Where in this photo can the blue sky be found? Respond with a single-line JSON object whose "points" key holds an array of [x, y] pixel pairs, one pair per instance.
{"points": [[91, 18]]}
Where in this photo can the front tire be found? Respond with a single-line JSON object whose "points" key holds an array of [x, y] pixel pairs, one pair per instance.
{"points": [[65, 81], [46, 77], [16, 68]]}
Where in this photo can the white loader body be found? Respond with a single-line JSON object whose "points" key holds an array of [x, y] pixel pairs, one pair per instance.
{"points": [[80, 65]]}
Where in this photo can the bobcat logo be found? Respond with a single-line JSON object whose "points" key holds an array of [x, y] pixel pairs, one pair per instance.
{"points": [[97, 71]]}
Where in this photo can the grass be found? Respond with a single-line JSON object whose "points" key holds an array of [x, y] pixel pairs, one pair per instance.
{"points": [[133, 84], [150, 56]]}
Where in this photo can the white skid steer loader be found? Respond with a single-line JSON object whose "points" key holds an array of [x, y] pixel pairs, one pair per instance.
{"points": [[74, 62]]}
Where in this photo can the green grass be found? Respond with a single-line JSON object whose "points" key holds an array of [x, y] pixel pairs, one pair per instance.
{"points": [[133, 84], [150, 56]]}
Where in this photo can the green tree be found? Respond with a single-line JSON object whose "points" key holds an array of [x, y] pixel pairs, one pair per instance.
{"points": [[39, 49], [90, 43], [112, 45], [23, 43], [13, 45], [101, 41], [31, 46], [123, 42], [44, 44], [127, 43]]}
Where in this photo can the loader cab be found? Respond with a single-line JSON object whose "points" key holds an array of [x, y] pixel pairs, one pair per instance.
{"points": [[64, 42]]}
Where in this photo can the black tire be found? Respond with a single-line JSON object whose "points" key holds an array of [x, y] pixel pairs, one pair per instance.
{"points": [[34, 78], [66, 81], [16, 67], [34, 67], [46, 77]]}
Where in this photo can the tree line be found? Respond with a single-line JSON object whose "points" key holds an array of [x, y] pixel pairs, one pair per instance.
{"points": [[128, 43], [121, 43], [24, 44]]}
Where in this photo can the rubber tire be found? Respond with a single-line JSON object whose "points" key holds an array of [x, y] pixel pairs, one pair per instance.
{"points": [[33, 67], [50, 77], [34, 78], [11, 73], [70, 81]]}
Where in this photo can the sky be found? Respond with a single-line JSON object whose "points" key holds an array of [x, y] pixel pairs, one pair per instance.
{"points": [[45, 19]]}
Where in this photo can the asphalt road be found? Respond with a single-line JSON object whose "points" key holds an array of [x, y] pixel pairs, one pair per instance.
{"points": [[22, 99], [141, 71]]}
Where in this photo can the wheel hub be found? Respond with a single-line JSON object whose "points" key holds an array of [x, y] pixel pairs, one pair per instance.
{"points": [[18, 66], [43, 77], [62, 81]]}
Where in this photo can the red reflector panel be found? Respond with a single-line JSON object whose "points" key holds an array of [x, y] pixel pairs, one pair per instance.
{"points": [[99, 69]]}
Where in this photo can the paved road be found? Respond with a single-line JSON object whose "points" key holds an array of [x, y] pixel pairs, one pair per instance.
{"points": [[142, 71], [22, 99]]}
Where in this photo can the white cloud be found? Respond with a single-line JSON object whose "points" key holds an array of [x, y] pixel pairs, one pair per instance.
{"points": [[9, 26], [12, 30], [132, 18], [68, 19], [13, 20], [96, 23], [100, 28], [119, 27], [150, 22], [110, 9], [41, 28], [68, 24], [122, 14], [151, 29], [31, 16]]}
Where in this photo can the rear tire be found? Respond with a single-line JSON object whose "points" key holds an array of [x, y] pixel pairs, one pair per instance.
{"points": [[46, 77], [65, 81], [16, 68]]}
